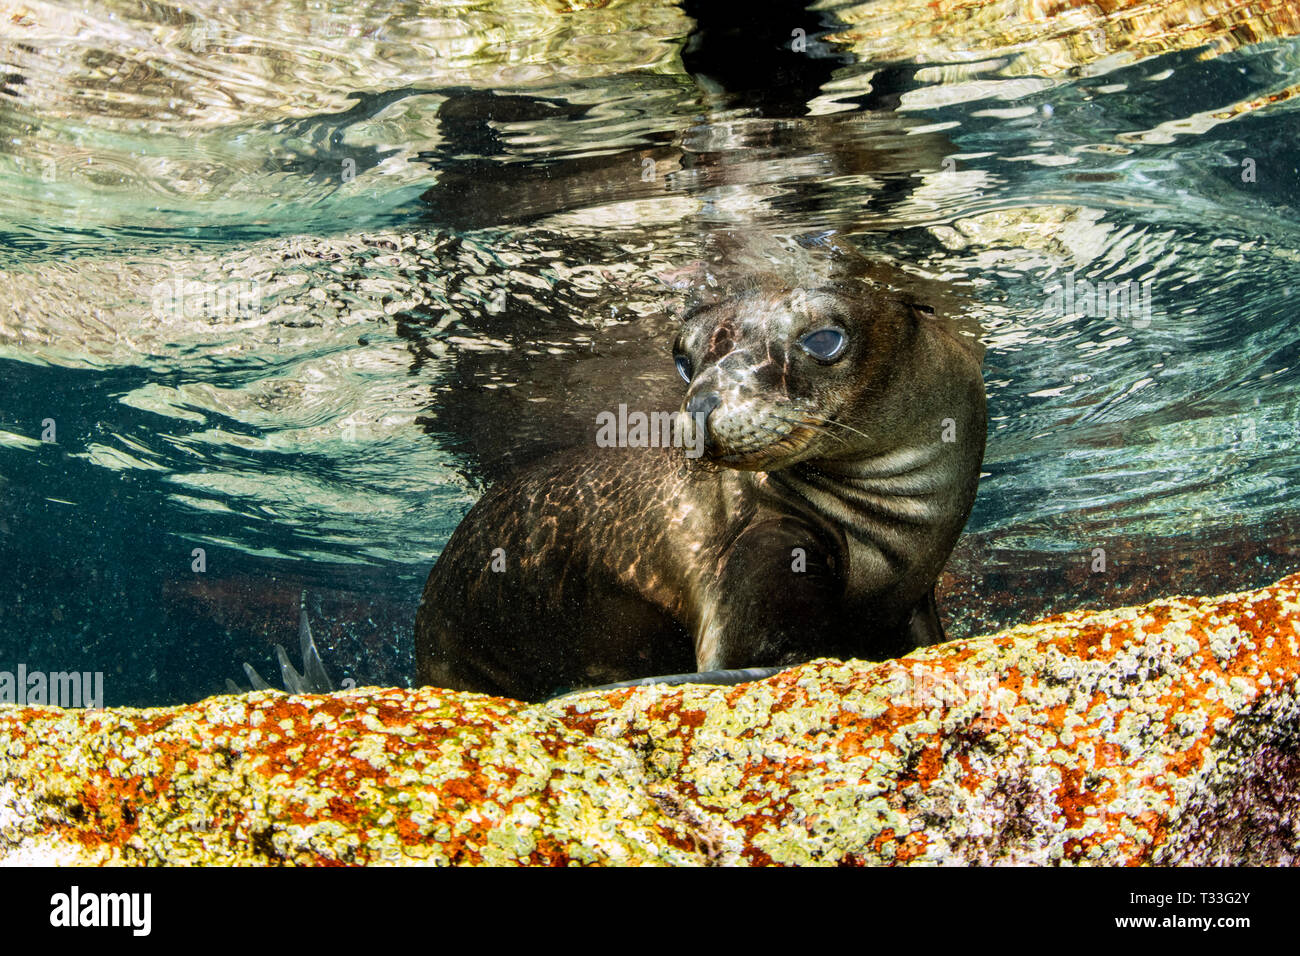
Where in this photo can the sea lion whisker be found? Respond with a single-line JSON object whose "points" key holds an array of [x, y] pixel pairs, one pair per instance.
{"points": [[813, 426], [831, 421]]}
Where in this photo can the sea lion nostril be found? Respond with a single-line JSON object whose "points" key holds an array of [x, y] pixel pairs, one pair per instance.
{"points": [[704, 404]]}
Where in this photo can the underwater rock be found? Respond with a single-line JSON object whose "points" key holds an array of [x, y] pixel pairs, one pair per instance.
{"points": [[1166, 734]]}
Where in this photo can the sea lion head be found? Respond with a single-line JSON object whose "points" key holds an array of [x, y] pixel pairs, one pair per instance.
{"points": [[779, 374]]}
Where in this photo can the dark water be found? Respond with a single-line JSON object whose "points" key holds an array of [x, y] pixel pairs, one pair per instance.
{"points": [[292, 289]]}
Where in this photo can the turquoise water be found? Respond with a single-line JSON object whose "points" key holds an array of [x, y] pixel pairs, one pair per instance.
{"points": [[292, 293]]}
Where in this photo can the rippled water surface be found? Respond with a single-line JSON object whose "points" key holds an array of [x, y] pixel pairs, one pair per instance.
{"points": [[291, 283]]}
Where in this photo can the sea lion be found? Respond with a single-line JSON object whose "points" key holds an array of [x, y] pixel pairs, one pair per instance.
{"points": [[841, 429]]}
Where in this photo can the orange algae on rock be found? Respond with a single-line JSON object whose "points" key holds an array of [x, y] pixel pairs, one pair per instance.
{"points": [[1168, 733]]}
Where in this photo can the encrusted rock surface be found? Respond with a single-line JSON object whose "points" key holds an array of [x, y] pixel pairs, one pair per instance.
{"points": [[1163, 734]]}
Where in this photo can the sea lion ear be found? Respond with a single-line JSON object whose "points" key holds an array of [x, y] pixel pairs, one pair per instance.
{"points": [[916, 312]]}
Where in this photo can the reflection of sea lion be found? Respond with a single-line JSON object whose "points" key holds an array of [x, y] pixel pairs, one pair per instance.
{"points": [[844, 434]]}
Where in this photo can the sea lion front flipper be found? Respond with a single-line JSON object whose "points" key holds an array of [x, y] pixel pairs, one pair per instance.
{"points": [[776, 601], [925, 629]]}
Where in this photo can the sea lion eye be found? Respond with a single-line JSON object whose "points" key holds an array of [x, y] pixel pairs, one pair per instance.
{"points": [[684, 368], [823, 344]]}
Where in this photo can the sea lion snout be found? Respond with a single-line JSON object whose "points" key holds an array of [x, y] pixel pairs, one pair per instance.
{"points": [[703, 404], [698, 408]]}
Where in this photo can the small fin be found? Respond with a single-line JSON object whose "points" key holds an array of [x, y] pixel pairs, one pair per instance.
{"points": [[256, 678], [316, 678], [292, 679]]}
